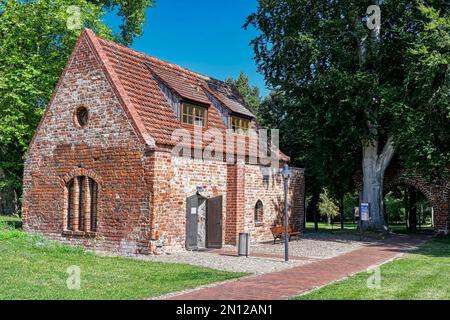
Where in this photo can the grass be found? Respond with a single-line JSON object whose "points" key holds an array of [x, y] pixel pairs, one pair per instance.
{"points": [[349, 229], [34, 268], [348, 226], [401, 228], [422, 274], [14, 222]]}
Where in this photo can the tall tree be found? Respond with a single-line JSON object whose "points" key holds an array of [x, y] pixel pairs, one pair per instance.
{"points": [[132, 13], [362, 85], [249, 92], [329, 163], [36, 39]]}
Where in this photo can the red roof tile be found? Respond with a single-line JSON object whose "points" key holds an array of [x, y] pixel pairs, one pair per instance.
{"points": [[136, 77]]}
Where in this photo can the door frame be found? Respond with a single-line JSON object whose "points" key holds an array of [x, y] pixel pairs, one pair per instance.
{"points": [[189, 224], [189, 207], [207, 245]]}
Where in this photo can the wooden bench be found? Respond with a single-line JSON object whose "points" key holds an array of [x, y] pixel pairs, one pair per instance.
{"points": [[278, 233]]}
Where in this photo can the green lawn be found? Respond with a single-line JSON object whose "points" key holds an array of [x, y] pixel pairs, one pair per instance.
{"points": [[423, 274], [349, 229], [34, 268], [349, 226]]}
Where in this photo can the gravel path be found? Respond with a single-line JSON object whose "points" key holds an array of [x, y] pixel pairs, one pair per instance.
{"points": [[307, 249], [315, 246], [254, 265]]}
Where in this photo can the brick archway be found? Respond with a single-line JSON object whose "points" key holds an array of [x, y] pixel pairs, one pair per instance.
{"points": [[411, 181], [436, 192]]}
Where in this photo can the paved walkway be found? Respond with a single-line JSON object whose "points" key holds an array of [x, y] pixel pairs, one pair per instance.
{"points": [[233, 253], [294, 281]]}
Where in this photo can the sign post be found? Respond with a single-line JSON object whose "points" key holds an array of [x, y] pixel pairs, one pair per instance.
{"points": [[358, 218], [286, 175], [360, 195], [364, 211]]}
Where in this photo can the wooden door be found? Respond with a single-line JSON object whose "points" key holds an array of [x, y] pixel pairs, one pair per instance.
{"points": [[214, 223], [191, 222]]}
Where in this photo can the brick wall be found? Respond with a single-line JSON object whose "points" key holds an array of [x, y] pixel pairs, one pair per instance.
{"points": [[270, 190], [175, 179], [142, 193], [241, 185], [107, 150], [235, 222]]}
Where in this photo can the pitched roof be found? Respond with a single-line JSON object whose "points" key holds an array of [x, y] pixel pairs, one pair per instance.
{"points": [[137, 76], [227, 95]]}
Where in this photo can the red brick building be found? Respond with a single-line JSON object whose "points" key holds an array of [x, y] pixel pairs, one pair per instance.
{"points": [[103, 169]]}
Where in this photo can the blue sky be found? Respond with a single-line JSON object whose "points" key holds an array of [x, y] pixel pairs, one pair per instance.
{"points": [[202, 35]]}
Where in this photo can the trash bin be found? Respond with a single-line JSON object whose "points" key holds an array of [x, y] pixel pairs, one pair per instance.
{"points": [[243, 244]]}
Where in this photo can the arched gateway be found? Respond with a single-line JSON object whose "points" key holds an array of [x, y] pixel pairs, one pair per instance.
{"points": [[436, 192]]}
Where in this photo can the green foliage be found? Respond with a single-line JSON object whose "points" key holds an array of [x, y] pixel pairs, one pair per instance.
{"points": [[395, 208], [250, 93], [395, 204], [35, 44], [425, 135], [309, 52], [132, 13], [272, 110], [327, 206], [330, 162], [34, 47], [350, 202]]}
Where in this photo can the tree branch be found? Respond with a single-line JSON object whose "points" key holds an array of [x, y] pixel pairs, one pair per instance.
{"points": [[388, 153]]}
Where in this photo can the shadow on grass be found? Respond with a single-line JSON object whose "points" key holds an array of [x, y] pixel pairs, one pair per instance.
{"points": [[13, 222], [438, 247]]}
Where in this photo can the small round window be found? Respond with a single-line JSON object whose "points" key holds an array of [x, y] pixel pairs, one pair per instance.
{"points": [[82, 116]]}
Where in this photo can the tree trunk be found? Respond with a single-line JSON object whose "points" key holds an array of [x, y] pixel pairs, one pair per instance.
{"points": [[373, 194], [374, 164], [315, 201], [412, 209], [341, 204], [406, 204], [386, 216], [374, 167]]}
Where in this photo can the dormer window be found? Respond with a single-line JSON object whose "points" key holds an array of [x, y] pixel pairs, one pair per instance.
{"points": [[193, 115], [239, 124]]}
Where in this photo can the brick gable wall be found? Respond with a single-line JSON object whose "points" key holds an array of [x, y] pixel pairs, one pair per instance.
{"points": [[107, 150]]}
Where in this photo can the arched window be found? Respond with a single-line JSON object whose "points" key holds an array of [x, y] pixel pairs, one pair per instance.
{"points": [[259, 212], [82, 199]]}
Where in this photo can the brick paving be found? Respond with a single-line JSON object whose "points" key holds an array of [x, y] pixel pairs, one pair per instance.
{"points": [[234, 253], [287, 283]]}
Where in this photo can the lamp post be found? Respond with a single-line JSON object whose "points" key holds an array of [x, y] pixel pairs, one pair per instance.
{"points": [[286, 175]]}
